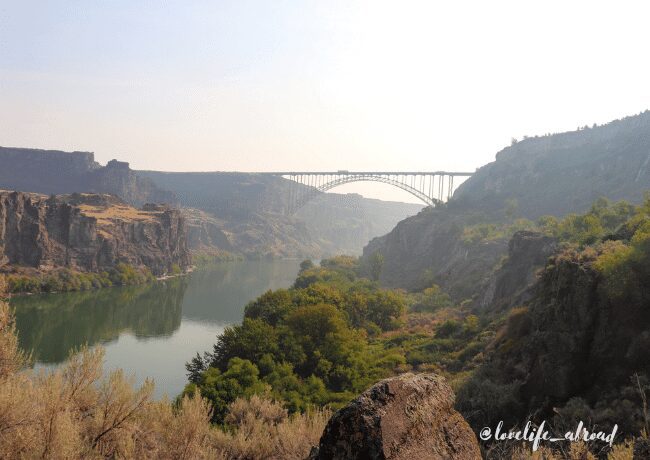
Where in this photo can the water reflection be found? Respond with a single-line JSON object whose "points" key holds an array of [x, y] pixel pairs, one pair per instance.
{"points": [[219, 293], [149, 330], [52, 324]]}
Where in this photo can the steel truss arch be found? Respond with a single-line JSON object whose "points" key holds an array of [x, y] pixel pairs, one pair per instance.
{"points": [[429, 201], [431, 188]]}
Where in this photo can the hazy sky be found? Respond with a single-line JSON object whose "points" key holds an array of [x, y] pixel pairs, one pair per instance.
{"points": [[268, 85]]}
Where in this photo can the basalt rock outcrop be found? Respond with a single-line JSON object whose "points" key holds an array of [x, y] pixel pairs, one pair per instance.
{"points": [[512, 284], [429, 248], [206, 233], [240, 213], [404, 417], [576, 349], [89, 233], [254, 237]]}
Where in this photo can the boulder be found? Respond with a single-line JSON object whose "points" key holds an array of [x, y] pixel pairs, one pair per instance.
{"points": [[405, 417]]}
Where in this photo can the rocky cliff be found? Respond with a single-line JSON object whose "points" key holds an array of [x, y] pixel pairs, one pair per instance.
{"points": [[57, 172], [429, 248], [576, 346], [206, 233], [550, 175], [258, 235], [512, 283], [563, 173], [88, 233], [240, 213], [344, 223]]}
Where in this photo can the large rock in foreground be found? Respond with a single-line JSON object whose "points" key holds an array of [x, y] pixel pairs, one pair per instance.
{"points": [[405, 417]]}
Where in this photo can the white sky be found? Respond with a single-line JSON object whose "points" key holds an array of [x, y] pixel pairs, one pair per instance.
{"points": [[259, 86]]}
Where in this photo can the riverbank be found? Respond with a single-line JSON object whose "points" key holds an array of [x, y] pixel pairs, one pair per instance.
{"points": [[27, 280]]}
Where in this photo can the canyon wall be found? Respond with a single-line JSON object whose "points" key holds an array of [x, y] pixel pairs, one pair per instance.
{"points": [[244, 213], [575, 345], [236, 213], [547, 175], [565, 172], [57, 172], [89, 233]]}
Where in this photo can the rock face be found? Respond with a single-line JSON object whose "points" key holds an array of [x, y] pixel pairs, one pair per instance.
{"points": [[550, 175], [512, 284], [429, 248], [205, 232], [89, 233], [405, 417], [57, 172], [255, 237], [562, 173], [573, 351], [242, 213], [345, 223]]}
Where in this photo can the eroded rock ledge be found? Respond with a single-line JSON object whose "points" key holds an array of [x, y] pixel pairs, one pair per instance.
{"points": [[89, 232]]}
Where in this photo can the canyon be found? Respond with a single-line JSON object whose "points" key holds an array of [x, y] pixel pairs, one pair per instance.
{"points": [[228, 214]]}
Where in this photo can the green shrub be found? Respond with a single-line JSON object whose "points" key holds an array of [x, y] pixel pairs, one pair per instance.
{"points": [[431, 299], [64, 280]]}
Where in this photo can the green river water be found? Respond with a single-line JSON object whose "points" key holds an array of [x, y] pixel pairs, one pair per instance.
{"points": [[150, 330]]}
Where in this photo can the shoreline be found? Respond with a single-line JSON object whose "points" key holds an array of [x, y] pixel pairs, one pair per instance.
{"points": [[41, 277], [191, 269]]}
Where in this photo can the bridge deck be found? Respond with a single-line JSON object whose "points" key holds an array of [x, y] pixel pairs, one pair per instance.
{"points": [[374, 173]]}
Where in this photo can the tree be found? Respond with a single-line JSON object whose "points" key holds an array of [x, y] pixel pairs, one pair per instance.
{"points": [[306, 265], [384, 308], [431, 299], [251, 340], [195, 368], [549, 225], [315, 324], [270, 307], [376, 265], [326, 340], [356, 307], [241, 379], [512, 205]]}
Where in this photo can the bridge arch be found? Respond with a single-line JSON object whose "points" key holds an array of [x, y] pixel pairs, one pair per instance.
{"points": [[429, 201], [432, 188]]}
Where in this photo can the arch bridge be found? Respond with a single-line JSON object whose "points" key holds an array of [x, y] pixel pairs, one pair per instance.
{"points": [[432, 188]]}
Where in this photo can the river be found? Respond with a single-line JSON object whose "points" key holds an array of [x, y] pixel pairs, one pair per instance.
{"points": [[150, 330]]}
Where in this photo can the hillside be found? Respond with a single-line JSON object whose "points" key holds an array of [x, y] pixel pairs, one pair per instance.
{"points": [[344, 223], [563, 173], [457, 246]]}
